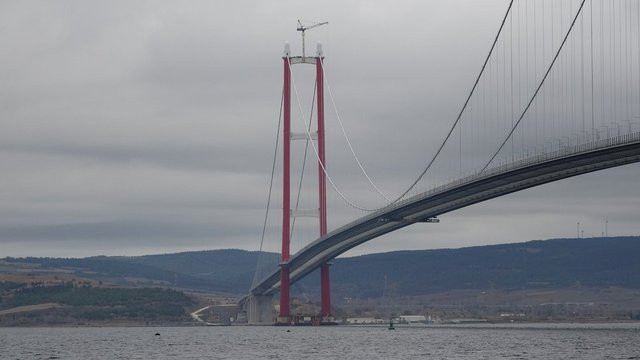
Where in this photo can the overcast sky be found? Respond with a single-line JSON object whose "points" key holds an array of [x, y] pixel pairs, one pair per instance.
{"points": [[137, 127]]}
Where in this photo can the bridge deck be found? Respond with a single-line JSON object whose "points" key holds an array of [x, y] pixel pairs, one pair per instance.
{"points": [[498, 181]]}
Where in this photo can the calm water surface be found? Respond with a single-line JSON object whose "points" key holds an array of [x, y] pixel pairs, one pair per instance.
{"points": [[535, 341]]}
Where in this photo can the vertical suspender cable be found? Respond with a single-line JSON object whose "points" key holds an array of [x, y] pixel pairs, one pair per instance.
{"points": [[545, 118], [538, 88], [614, 63], [584, 120], [535, 69], [511, 78], [526, 53], [520, 74], [591, 48], [455, 123], [602, 92], [627, 32]]}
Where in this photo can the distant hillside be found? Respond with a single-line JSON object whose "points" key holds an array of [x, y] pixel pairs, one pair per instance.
{"points": [[232, 267], [116, 270], [221, 271], [593, 262], [36, 303]]}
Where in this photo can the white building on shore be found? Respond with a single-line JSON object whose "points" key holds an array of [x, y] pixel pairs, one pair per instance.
{"points": [[412, 319], [365, 320]]}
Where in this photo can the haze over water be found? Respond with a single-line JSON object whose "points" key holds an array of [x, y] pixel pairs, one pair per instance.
{"points": [[510, 341]]}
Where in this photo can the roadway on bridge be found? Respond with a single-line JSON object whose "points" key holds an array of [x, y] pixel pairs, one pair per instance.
{"points": [[545, 168]]}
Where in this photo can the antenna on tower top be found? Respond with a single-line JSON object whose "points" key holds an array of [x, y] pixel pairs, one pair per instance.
{"points": [[303, 28]]}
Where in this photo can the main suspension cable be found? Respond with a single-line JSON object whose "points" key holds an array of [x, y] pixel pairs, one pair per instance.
{"points": [[315, 150], [304, 162], [344, 133], [537, 89], [273, 169], [464, 107]]}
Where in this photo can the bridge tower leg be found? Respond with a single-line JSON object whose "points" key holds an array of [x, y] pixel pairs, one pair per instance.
{"points": [[322, 185], [286, 193], [284, 315]]}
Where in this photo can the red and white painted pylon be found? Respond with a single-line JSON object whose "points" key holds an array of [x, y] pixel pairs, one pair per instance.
{"points": [[285, 316]]}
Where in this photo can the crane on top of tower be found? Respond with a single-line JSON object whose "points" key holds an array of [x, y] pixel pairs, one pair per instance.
{"points": [[303, 28]]}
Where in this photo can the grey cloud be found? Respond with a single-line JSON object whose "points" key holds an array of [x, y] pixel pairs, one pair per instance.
{"points": [[149, 126]]}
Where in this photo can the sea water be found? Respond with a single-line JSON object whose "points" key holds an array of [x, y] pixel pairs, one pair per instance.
{"points": [[511, 341]]}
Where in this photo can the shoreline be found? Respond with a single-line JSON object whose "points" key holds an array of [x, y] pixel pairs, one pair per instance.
{"points": [[483, 325]]}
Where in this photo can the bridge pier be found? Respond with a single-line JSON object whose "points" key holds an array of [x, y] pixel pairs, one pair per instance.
{"points": [[260, 310], [325, 290]]}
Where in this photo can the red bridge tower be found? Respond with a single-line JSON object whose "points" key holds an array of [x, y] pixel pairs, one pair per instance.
{"points": [[284, 316]]}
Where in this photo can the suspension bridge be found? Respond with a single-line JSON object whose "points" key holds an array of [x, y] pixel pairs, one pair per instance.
{"points": [[557, 95]]}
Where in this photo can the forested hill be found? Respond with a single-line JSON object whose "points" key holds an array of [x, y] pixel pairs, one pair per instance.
{"points": [[593, 262]]}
